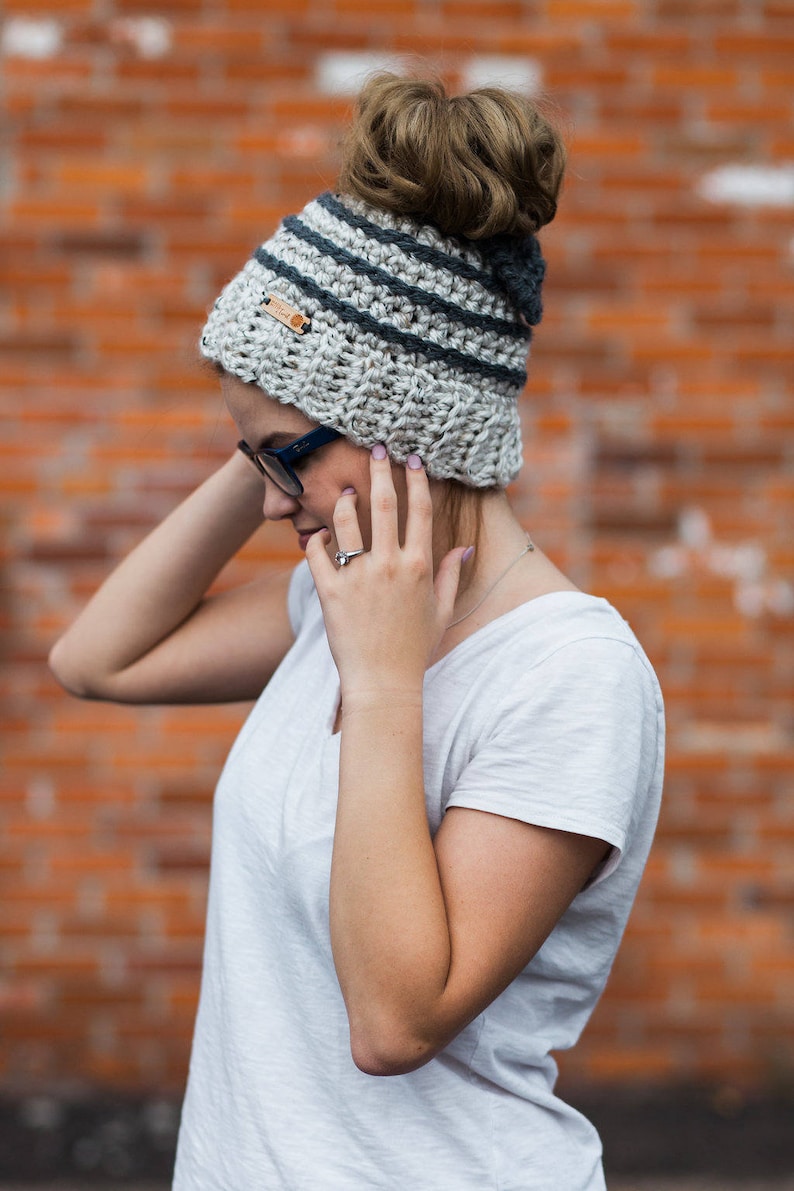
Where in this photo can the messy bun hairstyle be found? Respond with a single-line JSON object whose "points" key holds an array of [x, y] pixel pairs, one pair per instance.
{"points": [[478, 165]]}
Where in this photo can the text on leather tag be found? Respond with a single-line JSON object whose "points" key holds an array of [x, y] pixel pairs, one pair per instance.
{"points": [[286, 314]]}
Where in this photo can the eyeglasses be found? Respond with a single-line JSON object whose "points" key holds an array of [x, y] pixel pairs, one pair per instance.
{"points": [[274, 462]]}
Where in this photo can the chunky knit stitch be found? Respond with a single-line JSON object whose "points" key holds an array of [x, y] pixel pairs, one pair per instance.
{"points": [[414, 340]]}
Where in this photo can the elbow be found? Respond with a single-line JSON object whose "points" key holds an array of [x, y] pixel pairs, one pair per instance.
{"points": [[67, 675], [383, 1052]]}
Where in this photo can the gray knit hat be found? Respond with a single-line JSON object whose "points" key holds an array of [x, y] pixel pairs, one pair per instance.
{"points": [[387, 331]]}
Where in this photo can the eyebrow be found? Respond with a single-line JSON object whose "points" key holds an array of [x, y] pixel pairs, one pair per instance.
{"points": [[279, 438]]}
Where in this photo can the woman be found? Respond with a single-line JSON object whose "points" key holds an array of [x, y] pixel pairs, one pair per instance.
{"points": [[429, 832]]}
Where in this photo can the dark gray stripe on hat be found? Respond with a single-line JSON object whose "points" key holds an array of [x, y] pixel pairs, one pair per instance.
{"points": [[349, 314], [423, 252], [419, 297]]}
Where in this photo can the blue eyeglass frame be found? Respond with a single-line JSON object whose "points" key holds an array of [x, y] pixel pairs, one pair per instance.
{"points": [[274, 463]]}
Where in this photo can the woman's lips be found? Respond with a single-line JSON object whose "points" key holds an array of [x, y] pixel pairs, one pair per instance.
{"points": [[305, 534]]}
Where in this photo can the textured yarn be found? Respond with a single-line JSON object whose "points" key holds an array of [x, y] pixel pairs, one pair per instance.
{"points": [[415, 340]]}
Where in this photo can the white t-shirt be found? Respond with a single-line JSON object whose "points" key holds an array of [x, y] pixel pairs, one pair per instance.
{"points": [[550, 714]]}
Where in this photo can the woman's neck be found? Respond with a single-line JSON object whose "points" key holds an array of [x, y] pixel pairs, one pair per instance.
{"points": [[502, 574]]}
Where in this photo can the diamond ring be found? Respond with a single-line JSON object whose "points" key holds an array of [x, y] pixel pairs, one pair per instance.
{"points": [[343, 556]]}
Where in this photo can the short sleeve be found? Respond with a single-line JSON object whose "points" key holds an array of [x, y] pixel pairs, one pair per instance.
{"points": [[573, 746], [299, 594]]}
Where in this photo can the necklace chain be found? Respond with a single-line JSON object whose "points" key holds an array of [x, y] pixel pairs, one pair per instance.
{"points": [[529, 546]]}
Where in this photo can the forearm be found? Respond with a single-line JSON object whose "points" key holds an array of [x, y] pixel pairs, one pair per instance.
{"points": [[389, 928], [162, 581]]}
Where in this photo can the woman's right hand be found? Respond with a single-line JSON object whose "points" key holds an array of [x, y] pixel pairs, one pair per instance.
{"points": [[152, 635]]}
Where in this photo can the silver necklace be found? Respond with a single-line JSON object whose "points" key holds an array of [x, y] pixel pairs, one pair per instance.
{"points": [[529, 546]]}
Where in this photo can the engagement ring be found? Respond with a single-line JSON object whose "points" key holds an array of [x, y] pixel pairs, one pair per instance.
{"points": [[343, 556]]}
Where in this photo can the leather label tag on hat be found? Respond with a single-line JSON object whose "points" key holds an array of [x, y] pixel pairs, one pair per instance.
{"points": [[286, 314]]}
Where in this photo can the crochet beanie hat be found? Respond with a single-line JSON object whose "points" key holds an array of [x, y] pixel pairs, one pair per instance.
{"points": [[380, 327]]}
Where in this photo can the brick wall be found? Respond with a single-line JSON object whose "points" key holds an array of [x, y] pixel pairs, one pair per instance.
{"points": [[150, 146]]}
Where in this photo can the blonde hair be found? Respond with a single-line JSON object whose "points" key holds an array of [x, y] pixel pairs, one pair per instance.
{"points": [[482, 164], [460, 520]]}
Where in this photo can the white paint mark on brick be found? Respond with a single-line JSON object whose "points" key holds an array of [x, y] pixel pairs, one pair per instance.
{"points": [[746, 561], [683, 868], [750, 599], [756, 589], [733, 736], [780, 598], [26, 37], [91, 897], [308, 141], [40, 797], [342, 72], [668, 562], [694, 528], [502, 70], [749, 185], [150, 36]]}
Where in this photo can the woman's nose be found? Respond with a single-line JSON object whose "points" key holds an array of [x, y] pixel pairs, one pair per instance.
{"points": [[278, 504]]}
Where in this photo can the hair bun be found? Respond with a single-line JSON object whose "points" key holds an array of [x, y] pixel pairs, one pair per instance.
{"points": [[478, 165]]}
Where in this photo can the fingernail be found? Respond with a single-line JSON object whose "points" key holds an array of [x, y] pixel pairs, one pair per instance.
{"points": [[348, 492], [379, 451], [414, 462], [467, 553]]}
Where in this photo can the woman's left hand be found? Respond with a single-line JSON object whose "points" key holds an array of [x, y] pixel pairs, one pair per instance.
{"points": [[385, 613]]}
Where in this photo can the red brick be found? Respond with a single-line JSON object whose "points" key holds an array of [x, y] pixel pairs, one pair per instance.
{"points": [[655, 41], [189, 108], [627, 317], [596, 146], [102, 178], [405, 10], [49, 7], [751, 45], [223, 39], [159, 8], [574, 10], [185, 71], [679, 10], [775, 77], [647, 181], [179, 961], [200, 178], [661, 109], [291, 8], [646, 1063], [35, 212], [24, 77], [760, 112], [702, 76]]}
